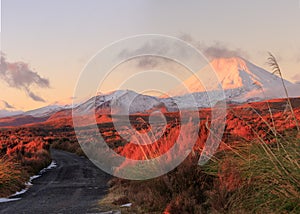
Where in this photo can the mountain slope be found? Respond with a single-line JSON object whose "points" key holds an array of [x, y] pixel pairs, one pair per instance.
{"points": [[44, 111], [7, 110], [240, 79], [7, 113], [119, 102]]}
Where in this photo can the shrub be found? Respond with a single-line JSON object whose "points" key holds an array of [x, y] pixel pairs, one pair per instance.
{"points": [[12, 177], [268, 179]]}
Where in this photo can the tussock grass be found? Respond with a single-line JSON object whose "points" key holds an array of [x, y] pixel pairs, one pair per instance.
{"points": [[12, 177], [258, 176], [66, 144], [23, 152], [180, 191], [276, 70], [262, 178]]}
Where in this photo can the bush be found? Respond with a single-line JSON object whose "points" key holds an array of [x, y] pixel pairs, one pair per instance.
{"points": [[264, 178], [12, 177], [183, 190]]}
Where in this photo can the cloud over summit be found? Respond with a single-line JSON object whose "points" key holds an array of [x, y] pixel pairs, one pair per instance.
{"points": [[216, 50]]}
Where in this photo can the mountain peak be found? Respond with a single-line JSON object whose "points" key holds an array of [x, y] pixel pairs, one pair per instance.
{"points": [[232, 64], [236, 72], [236, 75]]}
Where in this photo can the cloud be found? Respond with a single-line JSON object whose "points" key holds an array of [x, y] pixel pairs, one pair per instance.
{"points": [[216, 50], [34, 96], [146, 62], [297, 57], [66, 101], [143, 56], [158, 46], [296, 78], [6, 105], [19, 75], [219, 50]]}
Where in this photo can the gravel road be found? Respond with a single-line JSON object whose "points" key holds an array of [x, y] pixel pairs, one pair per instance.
{"points": [[74, 186]]}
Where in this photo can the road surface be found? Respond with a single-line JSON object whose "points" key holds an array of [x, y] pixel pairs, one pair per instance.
{"points": [[74, 186]]}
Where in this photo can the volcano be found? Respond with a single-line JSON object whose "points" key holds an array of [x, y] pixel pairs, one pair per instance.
{"points": [[240, 79]]}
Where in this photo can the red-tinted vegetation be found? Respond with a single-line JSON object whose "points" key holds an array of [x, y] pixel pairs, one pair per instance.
{"points": [[187, 188]]}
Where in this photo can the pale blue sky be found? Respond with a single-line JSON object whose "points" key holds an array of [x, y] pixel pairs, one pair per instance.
{"points": [[58, 37]]}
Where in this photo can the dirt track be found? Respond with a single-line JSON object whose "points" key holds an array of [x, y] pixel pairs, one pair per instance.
{"points": [[74, 186]]}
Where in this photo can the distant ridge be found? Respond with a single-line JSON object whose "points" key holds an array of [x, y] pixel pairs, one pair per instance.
{"points": [[241, 80]]}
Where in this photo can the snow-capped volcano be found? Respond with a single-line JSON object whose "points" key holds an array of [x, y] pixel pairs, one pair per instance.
{"points": [[240, 79], [240, 73]]}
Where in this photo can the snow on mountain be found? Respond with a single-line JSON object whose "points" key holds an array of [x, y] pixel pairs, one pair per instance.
{"points": [[236, 73], [132, 102], [44, 111], [119, 102], [240, 73], [8, 113]]}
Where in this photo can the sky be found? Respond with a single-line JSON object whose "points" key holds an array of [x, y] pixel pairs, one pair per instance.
{"points": [[51, 41]]}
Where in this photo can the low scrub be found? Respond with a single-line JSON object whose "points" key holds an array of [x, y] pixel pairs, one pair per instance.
{"points": [[182, 190], [258, 178], [23, 153], [68, 145], [251, 177], [12, 177]]}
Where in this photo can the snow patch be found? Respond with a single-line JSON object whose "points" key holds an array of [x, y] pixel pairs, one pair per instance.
{"points": [[126, 205], [3, 200], [44, 111]]}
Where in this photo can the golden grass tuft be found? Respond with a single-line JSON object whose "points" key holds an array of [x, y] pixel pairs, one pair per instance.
{"points": [[12, 177]]}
